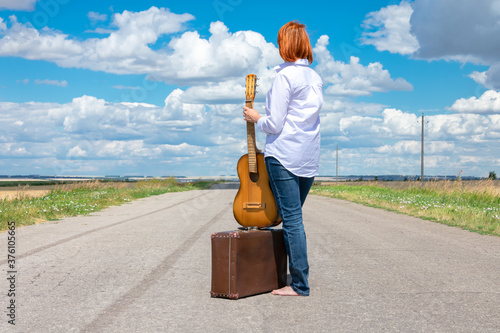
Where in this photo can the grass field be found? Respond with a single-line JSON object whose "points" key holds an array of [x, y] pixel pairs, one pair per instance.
{"points": [[29, 205], [471, 205]]}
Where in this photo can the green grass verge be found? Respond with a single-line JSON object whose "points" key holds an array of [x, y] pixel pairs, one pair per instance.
{"points": [[84, 198], [471, 207]]}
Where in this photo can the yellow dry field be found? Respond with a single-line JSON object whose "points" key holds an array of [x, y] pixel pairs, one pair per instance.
{"points": [[472, 185], [9, 193]]}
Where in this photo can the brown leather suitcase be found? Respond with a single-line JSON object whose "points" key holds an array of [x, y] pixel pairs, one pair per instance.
{"points": [[247, 262]]}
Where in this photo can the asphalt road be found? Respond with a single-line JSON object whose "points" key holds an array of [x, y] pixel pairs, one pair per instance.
{"points": [[146, 267]]}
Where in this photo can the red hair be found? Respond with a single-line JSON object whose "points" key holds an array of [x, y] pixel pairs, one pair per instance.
{"points": [[293, 42]]}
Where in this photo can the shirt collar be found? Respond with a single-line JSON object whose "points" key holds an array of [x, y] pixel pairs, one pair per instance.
{"points": [[299, 62]]}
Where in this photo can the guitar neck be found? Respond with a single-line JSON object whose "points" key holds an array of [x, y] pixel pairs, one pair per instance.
{"points": [[252, 147]]}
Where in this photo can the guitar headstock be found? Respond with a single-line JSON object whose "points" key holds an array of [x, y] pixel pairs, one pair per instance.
{"points": [[251, 87]]}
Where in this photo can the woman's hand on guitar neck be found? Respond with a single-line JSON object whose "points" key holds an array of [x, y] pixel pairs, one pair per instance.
{"points": [[251, 115]]}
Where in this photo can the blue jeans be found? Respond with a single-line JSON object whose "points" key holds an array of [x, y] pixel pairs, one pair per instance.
{"points": [[290, 192]]}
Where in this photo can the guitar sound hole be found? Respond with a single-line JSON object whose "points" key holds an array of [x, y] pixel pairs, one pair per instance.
{"points": [[254, 177]]}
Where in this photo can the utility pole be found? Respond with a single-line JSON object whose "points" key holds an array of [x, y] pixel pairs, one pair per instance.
{"points": [[337, 167], [422, 156]]}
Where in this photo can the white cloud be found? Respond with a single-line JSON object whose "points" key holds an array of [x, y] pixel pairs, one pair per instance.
{"points": [[96, 17], [489, 79], [213, 67], [76, 151], [460, 30], [22, 41], [52, 82], [83, 134], [401, 126], [83, 113], [186, 59], [183, 150], [391, 144], [394, 124], [27, 5], [229, 91], [472, 128], [103, 31], [415, 147], [119, 149], [176, 109], [391, 29], [125, 87], [398, 125], [411, 147], [488, 103], [353, 79], [453, 30], [126, 50], [21, 151], [211, 64], [91, 135], [224, 55], [136, 30]]}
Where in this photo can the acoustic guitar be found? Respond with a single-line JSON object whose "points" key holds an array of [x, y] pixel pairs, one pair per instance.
{"points": [[254, 204]]}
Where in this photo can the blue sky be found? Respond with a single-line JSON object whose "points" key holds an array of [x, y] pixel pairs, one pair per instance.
{"points": [[156, 87]]}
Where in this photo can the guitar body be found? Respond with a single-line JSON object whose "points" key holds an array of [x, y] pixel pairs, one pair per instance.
{"points": [[254, 204]]}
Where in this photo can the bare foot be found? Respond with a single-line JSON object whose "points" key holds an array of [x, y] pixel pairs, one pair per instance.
{"points": [[285, 291]]}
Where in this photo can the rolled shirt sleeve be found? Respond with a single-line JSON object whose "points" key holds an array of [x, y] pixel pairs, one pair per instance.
{"points": [[277, 101]]}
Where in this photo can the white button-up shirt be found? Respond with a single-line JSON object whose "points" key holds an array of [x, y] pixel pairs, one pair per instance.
{"points": [[292, 118]]}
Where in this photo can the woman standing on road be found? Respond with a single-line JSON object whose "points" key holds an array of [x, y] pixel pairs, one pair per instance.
{"points": [[292, 145]]}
